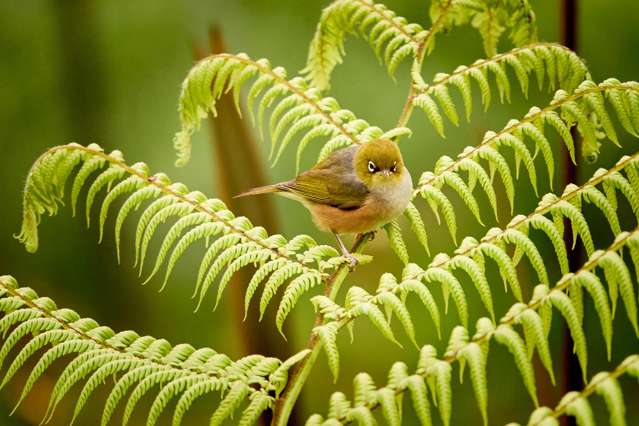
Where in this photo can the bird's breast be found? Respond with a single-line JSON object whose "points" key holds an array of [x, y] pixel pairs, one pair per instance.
{"points": [[393, 197]]}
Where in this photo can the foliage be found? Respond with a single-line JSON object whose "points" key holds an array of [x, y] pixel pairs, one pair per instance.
{"points": [[299, 109], [142, 362], [234, 242], [576, 403]]}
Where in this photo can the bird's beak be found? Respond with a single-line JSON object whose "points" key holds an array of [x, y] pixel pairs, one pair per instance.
{"points": [[386, 172]]}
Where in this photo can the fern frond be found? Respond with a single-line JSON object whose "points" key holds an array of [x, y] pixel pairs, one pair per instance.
{"points": [[98, 353], [471, 256], [474, 351], [576, 403], [492, 19], [380, 26], [393, 38], [538, 58], [297, 110], [564, 111], [233, 242]]}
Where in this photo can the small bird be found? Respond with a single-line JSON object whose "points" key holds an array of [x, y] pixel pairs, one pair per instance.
{"points": [[355, 190]]}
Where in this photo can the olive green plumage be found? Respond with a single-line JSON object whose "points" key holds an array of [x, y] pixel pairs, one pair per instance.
{"points": [[355, 190]]}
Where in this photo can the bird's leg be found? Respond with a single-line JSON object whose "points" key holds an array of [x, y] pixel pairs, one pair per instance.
{"points": [[353, 261]]}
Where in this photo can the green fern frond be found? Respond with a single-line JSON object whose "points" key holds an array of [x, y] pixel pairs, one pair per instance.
{"points": [[619, 280], [564, 111], [99, 353], [508, 337], [35, 333], [474, 351], [492, 19], [539, 58], [233, 242], [470, 258], [391, 37], [297, 110], [576, 403], [398, 39], [327, 335]]}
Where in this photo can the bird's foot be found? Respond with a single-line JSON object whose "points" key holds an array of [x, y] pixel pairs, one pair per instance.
{"points": [[370, 235], [347, 255], [352, 260]]}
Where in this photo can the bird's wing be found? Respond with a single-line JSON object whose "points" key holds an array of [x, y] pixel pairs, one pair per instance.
{"points": [[332, 182]]}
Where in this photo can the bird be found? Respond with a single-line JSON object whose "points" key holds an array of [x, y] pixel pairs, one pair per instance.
{"points": [[355, 190]]}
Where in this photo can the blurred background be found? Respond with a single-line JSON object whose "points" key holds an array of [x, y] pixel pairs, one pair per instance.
{"points": [[109, 72]]}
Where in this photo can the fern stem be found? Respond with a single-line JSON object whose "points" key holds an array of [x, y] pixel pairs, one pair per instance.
{"points": [[299, 374], [416, 68], [407, 109], [527, 119]]}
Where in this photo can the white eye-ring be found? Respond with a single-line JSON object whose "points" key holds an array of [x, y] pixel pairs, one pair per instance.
{"points": [[371, 167], [394, 168]]}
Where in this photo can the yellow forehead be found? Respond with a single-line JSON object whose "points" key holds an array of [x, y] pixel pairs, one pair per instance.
{"points": [[383, 152]]}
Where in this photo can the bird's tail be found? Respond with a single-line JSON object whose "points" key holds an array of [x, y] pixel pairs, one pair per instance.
{"points": [[267, 189]]}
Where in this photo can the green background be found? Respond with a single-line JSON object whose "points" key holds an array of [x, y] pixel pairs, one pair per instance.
{"points": [[109, 72]]}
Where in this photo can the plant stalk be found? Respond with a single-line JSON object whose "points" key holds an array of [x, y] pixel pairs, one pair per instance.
{"points": [[416, 68], [572, 378], [299, 374]]}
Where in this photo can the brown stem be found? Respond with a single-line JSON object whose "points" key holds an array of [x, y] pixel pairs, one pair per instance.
{"points": [[239, 168], [572, 378]]}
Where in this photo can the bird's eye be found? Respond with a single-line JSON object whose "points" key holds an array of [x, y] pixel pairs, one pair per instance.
{"points": [[394, 168], [371, 167]]}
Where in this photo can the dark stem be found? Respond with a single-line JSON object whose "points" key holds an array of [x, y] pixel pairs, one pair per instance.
{"points": [[572, 378]]}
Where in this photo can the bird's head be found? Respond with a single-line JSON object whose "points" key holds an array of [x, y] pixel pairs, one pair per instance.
{"points": [[379, 162]]}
